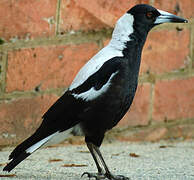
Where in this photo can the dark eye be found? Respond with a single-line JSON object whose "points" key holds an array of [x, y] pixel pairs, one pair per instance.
{"points": [[150, 15]]}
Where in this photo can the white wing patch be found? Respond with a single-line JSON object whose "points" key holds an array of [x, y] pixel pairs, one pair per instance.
{"points": [[54, 138], [94, 65], [58, 137], [92, 93], [39, 144], [122, 30]]}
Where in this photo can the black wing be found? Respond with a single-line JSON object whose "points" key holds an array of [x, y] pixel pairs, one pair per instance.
{"points": [[101, 77]]}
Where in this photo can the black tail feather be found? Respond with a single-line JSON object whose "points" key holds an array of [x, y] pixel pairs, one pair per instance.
{"points": [[23, 146], [16, 161], [19, 153], [37, 136]]}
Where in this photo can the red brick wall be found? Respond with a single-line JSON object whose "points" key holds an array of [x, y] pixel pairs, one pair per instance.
{"points": [[44, 44]]}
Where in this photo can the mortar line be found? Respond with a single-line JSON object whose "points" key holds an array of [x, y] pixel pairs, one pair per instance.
{"points": [[151, 2], [151, 105], [58, 13], [167, 76], [191, 53], [27, 94], [176, 75], [67, 39], [4, 71]]}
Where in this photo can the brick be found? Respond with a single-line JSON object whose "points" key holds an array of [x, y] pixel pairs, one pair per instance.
{"points": [[173, 100], [74, 17], [165, 51], [144, 134], [138, 113], [184, 131], [27, 19], [108, 11], [19, 118], [46, 67], [153, 134], [96, 14], [178, 7]]}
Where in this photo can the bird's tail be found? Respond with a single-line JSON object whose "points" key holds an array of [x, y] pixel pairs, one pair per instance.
{"points": [[25, 149]]}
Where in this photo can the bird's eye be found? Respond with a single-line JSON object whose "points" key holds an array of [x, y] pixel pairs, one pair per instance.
{"points": [[149, 15]]}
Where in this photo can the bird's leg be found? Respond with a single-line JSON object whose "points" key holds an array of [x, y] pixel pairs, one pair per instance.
{"points": [[101, 159], [108, 174], [101, 175], [94, 155]]}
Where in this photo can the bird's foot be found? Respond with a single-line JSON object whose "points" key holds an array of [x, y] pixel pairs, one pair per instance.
{"points": [[97, 176], [100, 176], [116, 177]]}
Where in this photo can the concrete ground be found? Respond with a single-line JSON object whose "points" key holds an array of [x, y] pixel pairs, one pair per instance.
{"points": [[139, 161]]}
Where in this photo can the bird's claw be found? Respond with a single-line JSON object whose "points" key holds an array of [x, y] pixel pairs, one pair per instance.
{"points": [[116, 177], [97, 176], [100, 176], [119, 177]]}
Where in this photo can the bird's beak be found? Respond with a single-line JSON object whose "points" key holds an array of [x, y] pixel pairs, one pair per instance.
{"points": [[168, 17]]}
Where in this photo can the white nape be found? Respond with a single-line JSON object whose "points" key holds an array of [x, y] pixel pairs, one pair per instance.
{"points": [[122, 30], [92, 93]]}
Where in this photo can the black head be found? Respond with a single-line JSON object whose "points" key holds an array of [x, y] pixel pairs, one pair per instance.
{"points": [[148, 16]]}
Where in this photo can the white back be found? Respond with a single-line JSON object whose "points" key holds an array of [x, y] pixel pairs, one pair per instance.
{"points": [[122, 30]]}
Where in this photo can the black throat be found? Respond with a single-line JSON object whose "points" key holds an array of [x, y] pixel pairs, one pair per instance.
{"points": [[133, 51], [133, 47], [137, 40]]}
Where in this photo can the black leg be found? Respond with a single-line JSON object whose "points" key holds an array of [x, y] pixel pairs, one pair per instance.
{"points": [[101, 158], [100, 175], [90, 147]]}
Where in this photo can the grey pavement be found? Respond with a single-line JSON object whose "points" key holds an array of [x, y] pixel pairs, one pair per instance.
{"points": [[155, 161]]}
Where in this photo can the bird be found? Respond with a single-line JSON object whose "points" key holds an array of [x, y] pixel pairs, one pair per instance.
{"points": [[101, 92]]}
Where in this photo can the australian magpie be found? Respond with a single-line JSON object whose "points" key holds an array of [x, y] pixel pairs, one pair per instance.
{"points": [[101, 93]]}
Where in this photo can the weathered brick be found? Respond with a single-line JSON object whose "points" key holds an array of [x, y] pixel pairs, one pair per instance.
{"points": [[49, 67], [74, 17], [108, 11], [178, 7], [27, 19], [165, 51], [158, 133], [138, 113], [184, 131], [144, 134], [19, 118], [173, 99], [96, 14]]}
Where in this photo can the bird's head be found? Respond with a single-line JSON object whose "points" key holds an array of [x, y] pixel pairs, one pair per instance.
{"points": [[149, 16], [137, 22]]}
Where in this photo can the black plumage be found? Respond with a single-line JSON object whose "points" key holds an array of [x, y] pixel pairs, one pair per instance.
{"points": [[101, 93]]}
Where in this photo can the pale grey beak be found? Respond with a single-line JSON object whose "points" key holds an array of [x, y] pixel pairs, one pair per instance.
{"points": [[168, 17]]}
